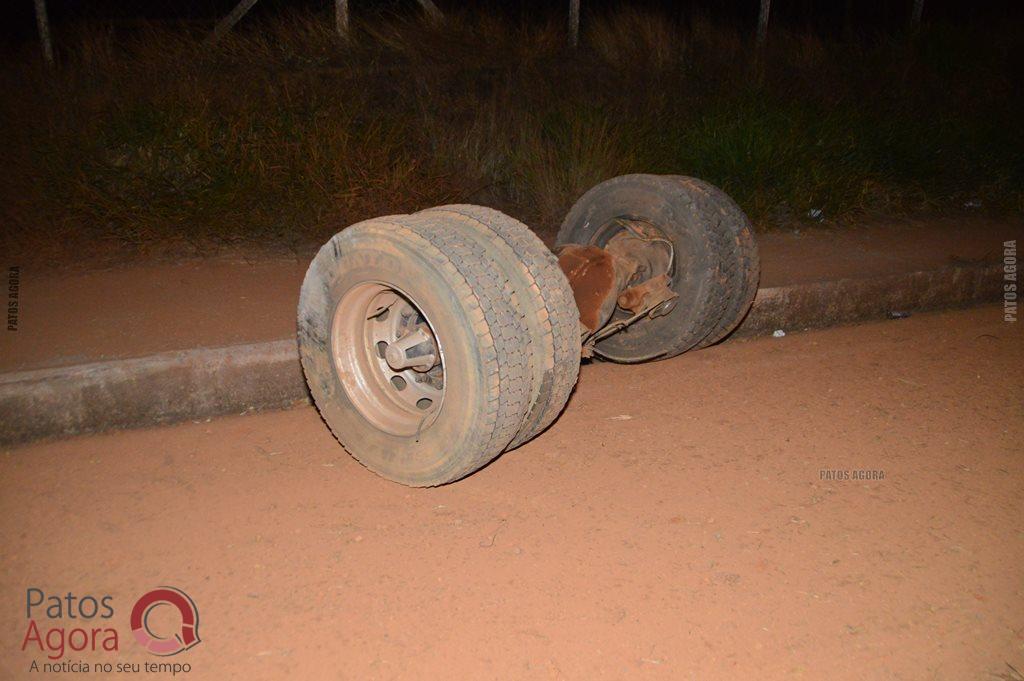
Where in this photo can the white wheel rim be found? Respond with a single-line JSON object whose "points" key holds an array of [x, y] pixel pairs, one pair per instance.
{"points": [[370, 318]]}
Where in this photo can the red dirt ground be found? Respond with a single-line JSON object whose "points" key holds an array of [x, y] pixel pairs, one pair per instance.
{"points": [[75, 316], [673, 524]]}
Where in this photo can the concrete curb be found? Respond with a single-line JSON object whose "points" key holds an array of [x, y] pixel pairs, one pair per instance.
{"points": [[164, 388], [828, 303], [205, 382]]}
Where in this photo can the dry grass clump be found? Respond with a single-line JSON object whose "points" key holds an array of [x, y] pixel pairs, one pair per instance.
{"points": [[284, 133]]}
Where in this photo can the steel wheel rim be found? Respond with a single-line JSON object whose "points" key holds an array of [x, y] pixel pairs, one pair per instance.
{"points": [[401, 401]]}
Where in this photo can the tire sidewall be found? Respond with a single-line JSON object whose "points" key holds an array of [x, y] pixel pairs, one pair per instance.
{"points": [[360, 254]]}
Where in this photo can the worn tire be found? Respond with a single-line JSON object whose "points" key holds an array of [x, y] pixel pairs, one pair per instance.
{"points": [[716, 269], [740, 264], [542, 294], [487, 375]]}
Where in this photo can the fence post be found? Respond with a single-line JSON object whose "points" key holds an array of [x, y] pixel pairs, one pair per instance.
{"points": [[341, 17], [762, 21], [43, 23], [915, 14], [433, 13], [228, 22], [574, 23]]}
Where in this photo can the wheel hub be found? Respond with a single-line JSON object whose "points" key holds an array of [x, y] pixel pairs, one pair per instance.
{"points": [[388, 358], [415, 350]]}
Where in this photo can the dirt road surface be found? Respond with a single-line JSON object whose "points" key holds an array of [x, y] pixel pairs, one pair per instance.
{"points": [[673, 524]]}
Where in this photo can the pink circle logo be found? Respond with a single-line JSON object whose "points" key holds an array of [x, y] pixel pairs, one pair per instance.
{"points": [[186, 637]]}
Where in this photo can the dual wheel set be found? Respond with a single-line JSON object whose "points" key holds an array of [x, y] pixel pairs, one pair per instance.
{"points": [[433, 342]]}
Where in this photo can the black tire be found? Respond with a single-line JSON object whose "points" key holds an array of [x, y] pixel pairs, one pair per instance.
{"points": [[542, 294], [716, 263], [741, 263], [485, 361]]}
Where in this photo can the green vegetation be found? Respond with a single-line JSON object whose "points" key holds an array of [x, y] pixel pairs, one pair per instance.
{"points": [[283, 133]]}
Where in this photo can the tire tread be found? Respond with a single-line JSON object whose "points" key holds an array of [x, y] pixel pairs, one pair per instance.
{"points": [[550, 303]]}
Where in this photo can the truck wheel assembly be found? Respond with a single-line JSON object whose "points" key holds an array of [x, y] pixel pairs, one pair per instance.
{"points": [[671, 234], [433, 342]]}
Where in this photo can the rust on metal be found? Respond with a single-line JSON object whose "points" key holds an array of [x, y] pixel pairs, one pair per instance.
{"points": [[597, 276], [646, 295], [653, 254], [591, 273]]}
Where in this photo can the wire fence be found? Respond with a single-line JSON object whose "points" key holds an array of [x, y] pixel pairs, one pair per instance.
{"points": [[220, 16]]}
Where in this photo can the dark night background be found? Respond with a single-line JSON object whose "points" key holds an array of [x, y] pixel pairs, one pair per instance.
{"points": [[825, 17], [143, 136]]}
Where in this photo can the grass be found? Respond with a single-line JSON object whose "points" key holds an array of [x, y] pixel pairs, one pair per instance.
{"points": [[284, 133]]}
